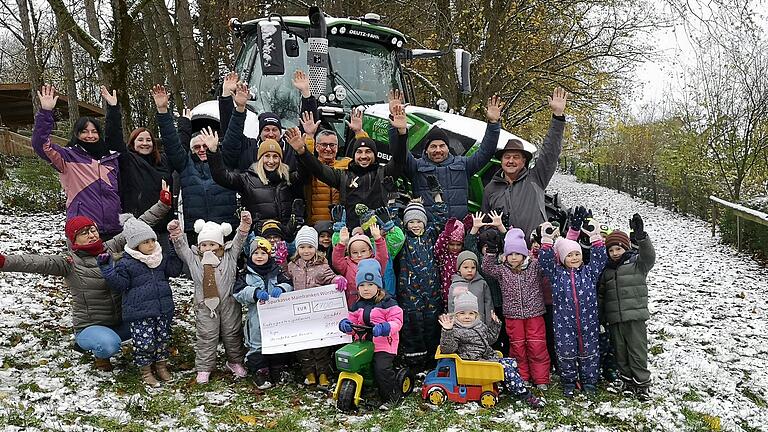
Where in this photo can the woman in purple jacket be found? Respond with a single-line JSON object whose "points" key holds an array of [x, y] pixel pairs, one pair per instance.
{"points": [[88, 169]]}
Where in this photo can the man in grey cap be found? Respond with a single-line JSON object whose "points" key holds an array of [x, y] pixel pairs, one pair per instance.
{"points": [[519, 191]]}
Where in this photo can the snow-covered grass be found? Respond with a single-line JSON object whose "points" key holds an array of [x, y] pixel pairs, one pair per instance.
{"points": [[708, 341]]}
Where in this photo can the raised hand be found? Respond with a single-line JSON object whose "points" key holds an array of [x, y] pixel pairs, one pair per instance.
{"points": [[160, 97], [446, 321], [210, 138], [637, 227], [174, 229], [339, 217], [230, 84], [384, 219], [399, 120], [341, 283], [547, 233], [558, 101], [375, 232], [493, 109], [301, 82], [477, 222], [110, 99], [433, 184], [241, 96], [293, 136], [309, 124], [578, 217], [245, 221], [48, 97], [496, 219], [592, 229], [344, 236], [165, 193], [395, 98], [355, 122]]}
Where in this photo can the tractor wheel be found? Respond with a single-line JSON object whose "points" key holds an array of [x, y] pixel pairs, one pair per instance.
{"points": [[346, 401], [404, 382], [488, 399], [436, 396]]}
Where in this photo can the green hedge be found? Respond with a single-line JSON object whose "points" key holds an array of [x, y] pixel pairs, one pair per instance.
{"points": [[31, 186]]}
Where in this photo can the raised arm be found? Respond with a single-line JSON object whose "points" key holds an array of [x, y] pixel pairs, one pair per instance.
{"points": [[41, 135], [492, 267], [339, 251], [241, 235], [51, 265], [546, 162], [399, 147], [177, 156], [233, 121], [487, 148], [646, 253], [330, 176], [179, 243], [219, 172], [113, 124], [151, 217]]}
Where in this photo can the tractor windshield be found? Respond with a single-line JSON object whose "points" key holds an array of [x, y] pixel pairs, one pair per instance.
{"points": [[366, 70]]}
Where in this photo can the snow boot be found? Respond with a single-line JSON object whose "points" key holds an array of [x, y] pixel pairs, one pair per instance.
{"points": [[161, 369], [103, 365], [261, 379], [203, 377], [323, 380], [533, 401], [642, 390], [569, 390], [237, 369], [589, 390], [148, 377], [310, 379]]}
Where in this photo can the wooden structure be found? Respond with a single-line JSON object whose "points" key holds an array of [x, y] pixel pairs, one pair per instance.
{"points": [[16, 106]]}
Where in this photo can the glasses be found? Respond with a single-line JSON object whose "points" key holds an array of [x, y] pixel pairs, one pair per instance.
{"points": [[327, 145], [198, 147], [88, 230]]}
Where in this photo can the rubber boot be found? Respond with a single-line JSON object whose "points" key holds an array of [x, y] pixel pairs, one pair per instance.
{"points": [[161, 369], [148, 377]]}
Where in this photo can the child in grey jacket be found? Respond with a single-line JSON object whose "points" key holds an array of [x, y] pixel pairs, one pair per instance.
{"points": [[213, 267], [468, 337], [468, 279]]}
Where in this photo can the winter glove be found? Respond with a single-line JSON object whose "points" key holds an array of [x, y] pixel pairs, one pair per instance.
{"points": [[345, 325], [367, 216], [636, 225], [385, 220], [381, 329], [165, 197], [341, 283], [281, 252], [275, 292], [592, 229], [262, 295], [547, 234], [2, 260], [434, 185], [297, 216], [339, 216], [578, 217], [102, 259], [492, 239], [389, 186]]}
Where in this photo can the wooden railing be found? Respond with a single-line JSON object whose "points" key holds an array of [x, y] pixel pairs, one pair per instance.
{"points": [[13, 144], [740, 212]]}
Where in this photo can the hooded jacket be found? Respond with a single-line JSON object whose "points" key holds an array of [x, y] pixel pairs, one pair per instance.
{"points": [[202, 197], [523, 199], [319, 195], [369, 313], [623, 293], [521, 293], [472, 342], [91, 185], [93, 302], [453, 173]]}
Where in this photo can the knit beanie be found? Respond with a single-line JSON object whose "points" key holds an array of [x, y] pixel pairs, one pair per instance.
{"points": [[617, 238], [75, 224], [457, 235], [435, 134], [324, 226], [260, 243], [362, 238], [307, 236], [466, 302], [271, 227], [369, 270], [415, 211], [563, 247], [365, 142], [137, 231], [269, 145], [514, 241], [211, 231], [268, 118], [465, 255]]}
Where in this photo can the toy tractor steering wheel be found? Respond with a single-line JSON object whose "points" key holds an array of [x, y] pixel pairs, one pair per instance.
{"points": [[363, 332]]}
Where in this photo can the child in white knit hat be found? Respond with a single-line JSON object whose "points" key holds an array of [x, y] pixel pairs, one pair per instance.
{"points": [[309, 268], [468, 337], [141, 276], [213, 267]]}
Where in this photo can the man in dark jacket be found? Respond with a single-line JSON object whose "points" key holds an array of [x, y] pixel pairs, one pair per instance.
{"points": [[453, 172], [363, 181], [517, 190]]}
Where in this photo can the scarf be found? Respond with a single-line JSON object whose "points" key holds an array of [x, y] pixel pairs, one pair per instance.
{"points": [[273, 177], [152, 260], [96, 150], [210, 289], [92, 249]]}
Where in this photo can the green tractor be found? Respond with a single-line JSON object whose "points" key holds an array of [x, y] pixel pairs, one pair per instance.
{"points": [[351, 62], [355, 364]]}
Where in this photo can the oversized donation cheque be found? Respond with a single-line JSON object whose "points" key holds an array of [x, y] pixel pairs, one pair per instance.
{"points": [[303, 319]]}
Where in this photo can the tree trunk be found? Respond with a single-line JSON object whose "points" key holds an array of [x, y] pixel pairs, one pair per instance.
{"points": [[92, 20], [33, 67], [65, 47], [166, 55], [189, 60], [168, 39]]}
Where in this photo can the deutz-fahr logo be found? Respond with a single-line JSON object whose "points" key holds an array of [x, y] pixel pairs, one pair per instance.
{"points": [[361, 33]]}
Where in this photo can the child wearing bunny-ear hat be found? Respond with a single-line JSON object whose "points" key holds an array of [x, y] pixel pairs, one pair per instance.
{"points": [[213, 267]]}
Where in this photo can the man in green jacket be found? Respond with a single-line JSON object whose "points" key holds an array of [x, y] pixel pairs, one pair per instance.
{"points": [[623, 304]]}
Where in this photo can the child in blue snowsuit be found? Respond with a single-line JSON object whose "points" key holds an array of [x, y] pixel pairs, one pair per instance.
{"points": [[419, 291], [574, 295]]}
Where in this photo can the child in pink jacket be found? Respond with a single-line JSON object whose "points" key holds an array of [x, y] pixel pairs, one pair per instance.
{"points": [[358, 248], [378, 310]]}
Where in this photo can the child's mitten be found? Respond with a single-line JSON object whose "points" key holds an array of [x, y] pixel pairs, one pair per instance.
{"points": [[547, 234], [275, 292], [592, 229], [102, 259], [165, 196], [262, 295], [345, 325], [636, 225], [339, 216], [389, 186], [381, 329], [434, 185], [281, 252], [341, 283], [385, 219]]}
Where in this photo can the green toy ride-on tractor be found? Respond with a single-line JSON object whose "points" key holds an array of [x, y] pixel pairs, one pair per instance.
{"points": [[355, 364]]}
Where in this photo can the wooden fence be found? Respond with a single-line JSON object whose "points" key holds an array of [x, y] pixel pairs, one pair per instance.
{"points": [[740, 212], [13, 144]]}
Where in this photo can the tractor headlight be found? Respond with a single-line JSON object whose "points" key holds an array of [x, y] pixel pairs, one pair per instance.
{"points": [[340, 92]]}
